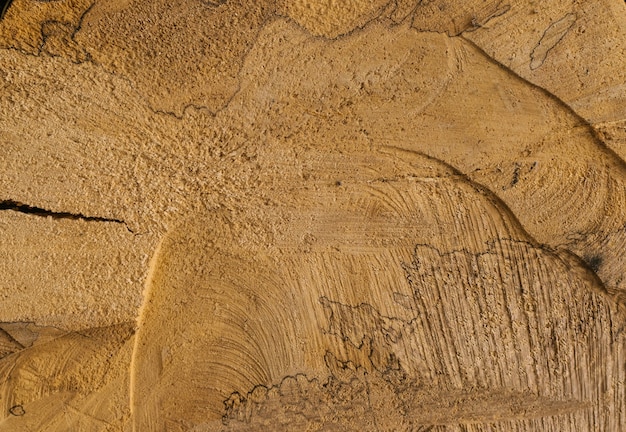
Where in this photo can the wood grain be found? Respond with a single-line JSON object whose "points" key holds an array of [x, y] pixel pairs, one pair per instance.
{"points": [[307, 215]]}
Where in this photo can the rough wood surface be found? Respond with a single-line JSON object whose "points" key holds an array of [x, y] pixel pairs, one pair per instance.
{"points": [[311, 215]]}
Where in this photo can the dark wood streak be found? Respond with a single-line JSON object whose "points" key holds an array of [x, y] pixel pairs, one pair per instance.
{"points": [[4, 7]]}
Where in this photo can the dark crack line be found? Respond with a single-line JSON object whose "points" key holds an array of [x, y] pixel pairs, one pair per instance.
{"points": [[41, 212], [4, 7], [604, 148], [536, 53], [75, 28]]}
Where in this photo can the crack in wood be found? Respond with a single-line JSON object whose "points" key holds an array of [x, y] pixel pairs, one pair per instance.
{"points": [[4, 7], [19, 207]]}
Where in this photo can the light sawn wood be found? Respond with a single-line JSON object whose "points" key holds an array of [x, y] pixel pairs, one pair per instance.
{"points": [[312, 215]]}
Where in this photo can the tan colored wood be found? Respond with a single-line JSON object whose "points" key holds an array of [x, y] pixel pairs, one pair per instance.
{"points": [[312, 215]]}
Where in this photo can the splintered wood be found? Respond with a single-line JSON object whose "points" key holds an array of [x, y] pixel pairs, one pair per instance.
{"points": [[312, 215]]}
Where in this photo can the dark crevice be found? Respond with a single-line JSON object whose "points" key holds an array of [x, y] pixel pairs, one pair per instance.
{"points": [[4, 7], [41, 212]]}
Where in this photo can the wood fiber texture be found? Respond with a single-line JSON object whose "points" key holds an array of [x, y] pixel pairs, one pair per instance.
{"points": [[313, 215]]}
